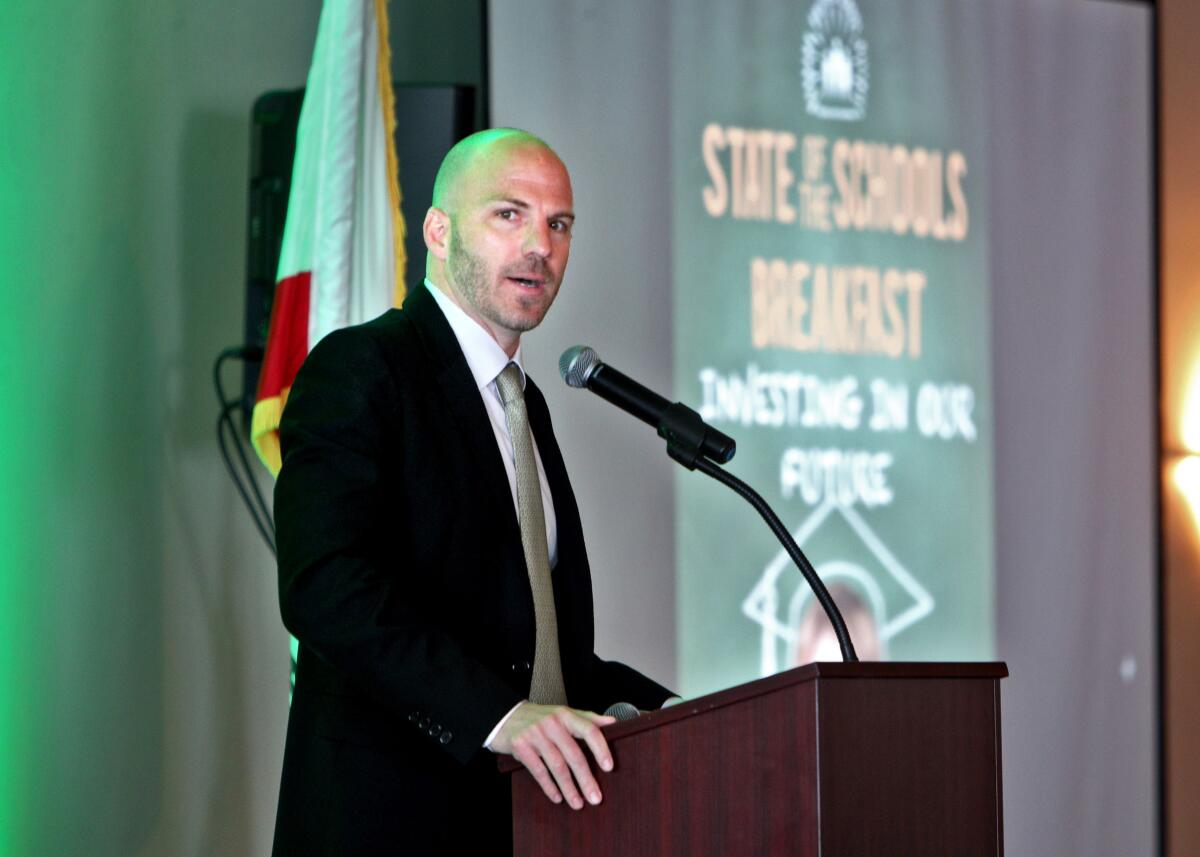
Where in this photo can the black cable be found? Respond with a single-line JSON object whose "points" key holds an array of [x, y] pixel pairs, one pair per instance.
{"points": [[751, 496], [261, 522], [247, 469], [252, 496], [261, 515], [242, 353]]}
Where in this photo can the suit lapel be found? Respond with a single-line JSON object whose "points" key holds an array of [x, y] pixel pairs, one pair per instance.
{"points": [[566, 512], [457, 386]]}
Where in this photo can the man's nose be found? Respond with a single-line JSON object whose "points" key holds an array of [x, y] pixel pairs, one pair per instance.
{"points": [[537, 240]]}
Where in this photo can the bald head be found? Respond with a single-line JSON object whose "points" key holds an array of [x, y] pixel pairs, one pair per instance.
{"points": [[477, 153], [499, 230]]}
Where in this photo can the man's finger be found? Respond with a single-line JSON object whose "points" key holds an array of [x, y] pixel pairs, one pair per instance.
{"points": [[528, 756], [590, 733], [560, 729], [547, 748]]}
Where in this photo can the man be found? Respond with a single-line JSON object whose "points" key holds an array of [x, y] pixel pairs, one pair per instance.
{"points": [[421, 506]]}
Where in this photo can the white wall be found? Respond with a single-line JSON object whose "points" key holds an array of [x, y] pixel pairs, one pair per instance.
{"points": [[225, 668], [162, 669]]}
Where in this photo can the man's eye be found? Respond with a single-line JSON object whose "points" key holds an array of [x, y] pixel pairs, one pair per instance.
{"points": [[560, 226], [507, 214]]}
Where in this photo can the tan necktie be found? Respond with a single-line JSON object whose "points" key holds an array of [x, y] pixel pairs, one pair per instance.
{"points": [[546, 686]]}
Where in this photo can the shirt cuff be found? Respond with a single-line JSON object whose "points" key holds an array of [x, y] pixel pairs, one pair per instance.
{"points": [[487, 742]]}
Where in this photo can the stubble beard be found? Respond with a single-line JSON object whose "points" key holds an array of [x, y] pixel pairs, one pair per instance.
{"points": [[475, 282]]}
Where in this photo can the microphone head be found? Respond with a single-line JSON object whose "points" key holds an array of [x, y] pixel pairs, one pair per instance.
{"points": [[577, 365], [622, 711]]}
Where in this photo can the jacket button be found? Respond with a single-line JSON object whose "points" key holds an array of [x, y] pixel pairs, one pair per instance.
{"points": [[522, 667], [435, 730], [412, 716], [446, 738], [423, 723]]}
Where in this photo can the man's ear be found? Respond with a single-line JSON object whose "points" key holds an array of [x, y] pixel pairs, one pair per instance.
{"points": [[436, 230]]}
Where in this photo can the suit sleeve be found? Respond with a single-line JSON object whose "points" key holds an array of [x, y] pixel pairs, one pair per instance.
{"points": [[340, 566], [616, 682]]}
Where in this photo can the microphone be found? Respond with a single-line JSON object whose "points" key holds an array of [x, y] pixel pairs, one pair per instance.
{"points": [[688, 437], [622, 711]]}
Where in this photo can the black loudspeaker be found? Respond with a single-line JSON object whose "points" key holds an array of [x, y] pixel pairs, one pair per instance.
{"points": [[429, 120], [273, 122]]}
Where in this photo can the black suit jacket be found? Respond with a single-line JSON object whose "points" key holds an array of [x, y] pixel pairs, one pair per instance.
{"points": [[402, 575]]}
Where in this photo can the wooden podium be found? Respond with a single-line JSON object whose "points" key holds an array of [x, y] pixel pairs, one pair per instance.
{"points": [[826, 760]]}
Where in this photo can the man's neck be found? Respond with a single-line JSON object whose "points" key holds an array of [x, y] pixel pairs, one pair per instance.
{"points": [[509, 341]]}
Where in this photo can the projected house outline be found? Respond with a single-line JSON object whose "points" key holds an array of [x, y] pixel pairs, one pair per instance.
{"points": [[764, 606]]}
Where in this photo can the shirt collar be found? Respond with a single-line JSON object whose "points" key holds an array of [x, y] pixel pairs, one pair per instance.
{"points": [[485, 357]]}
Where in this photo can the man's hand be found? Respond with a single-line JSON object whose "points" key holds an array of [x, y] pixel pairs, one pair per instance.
{"points": [[542, 738]]}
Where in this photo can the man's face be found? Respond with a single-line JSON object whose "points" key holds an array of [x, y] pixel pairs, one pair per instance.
{"points": [[510, 238]]}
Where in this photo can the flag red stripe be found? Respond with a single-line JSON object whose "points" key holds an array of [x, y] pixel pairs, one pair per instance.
{"points": [[287, 341]]}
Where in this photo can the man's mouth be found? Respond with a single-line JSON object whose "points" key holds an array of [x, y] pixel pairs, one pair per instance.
{"points": [[528, 282]]}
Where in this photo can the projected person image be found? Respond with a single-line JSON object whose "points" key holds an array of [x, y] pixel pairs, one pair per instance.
{"points": [[814, 636], [421, 507]]}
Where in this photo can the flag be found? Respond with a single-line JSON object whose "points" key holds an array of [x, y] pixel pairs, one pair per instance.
{"points": [[342, 260]]}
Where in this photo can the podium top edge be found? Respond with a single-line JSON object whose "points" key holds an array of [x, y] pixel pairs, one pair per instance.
{"points": [[820, 672], [901, 669]]}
